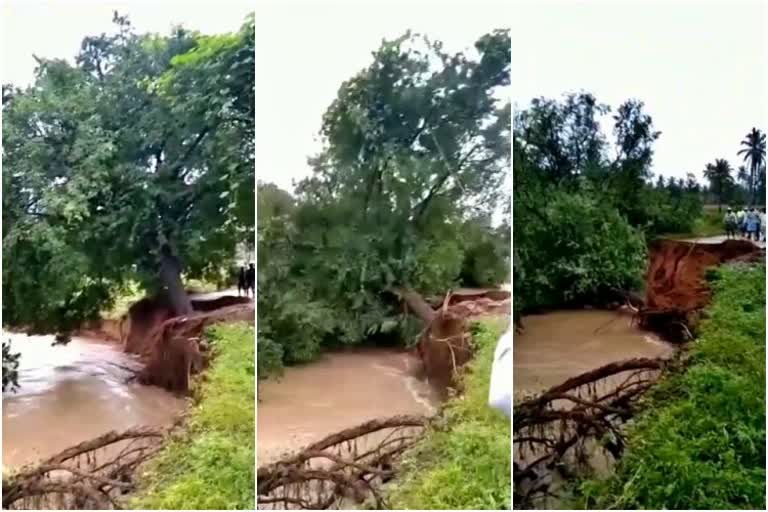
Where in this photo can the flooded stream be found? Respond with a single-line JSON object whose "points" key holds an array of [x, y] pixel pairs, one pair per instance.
{"points": [[69, 394], [341, 390], [558, 345]]}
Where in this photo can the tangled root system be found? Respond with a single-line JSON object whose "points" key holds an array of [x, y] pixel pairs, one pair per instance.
{"points": [[342, 469]]}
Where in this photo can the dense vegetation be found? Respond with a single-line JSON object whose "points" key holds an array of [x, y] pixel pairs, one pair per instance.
{"points": [[211, 465], [413, 169], [585, 203], [132, 164], [466, 464], [700, 443]]}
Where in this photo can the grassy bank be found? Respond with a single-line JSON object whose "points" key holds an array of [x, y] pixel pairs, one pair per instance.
{"points": [[700, 444], [467, 464], [211, 465]]}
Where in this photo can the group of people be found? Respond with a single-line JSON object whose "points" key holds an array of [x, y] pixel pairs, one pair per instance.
{"points": [[246, 281], [747, 223]]}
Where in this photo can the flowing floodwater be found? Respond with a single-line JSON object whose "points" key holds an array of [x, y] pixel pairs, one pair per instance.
{"points": [[341, 390], [72, 393], [556, 346]]}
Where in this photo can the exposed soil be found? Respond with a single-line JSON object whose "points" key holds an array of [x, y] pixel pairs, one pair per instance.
{"points": [[676, 285], [445, 344], [174, 350], [149, 313]]}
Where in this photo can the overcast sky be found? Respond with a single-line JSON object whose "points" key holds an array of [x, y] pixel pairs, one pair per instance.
{"points": [[54, 29], [304, 54], [700, 67]]}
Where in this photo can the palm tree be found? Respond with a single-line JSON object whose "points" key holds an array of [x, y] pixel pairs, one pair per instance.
{"points": [[754, 155], [719, 176]]}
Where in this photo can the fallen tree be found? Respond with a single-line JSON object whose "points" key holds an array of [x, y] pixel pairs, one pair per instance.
{"points": [[91, 475], [325, 474]]}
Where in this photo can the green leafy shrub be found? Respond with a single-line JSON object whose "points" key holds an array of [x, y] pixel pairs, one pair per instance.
{"points": [[574, 249]]}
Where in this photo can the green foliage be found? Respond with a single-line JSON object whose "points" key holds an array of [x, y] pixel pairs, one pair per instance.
{"points": [[584, 203], [136, 158], [700, 444], [575, 250], [415, 155], [211, 465], [720, 178], [467, 463], [10, 368]]}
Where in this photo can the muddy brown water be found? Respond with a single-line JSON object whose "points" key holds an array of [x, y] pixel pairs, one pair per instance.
{"points": [[73, 393], [562, 344], [339, 391]]}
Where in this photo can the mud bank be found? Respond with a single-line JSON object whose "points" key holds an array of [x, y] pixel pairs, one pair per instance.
{"points": [[676, 285], [445, 343]]}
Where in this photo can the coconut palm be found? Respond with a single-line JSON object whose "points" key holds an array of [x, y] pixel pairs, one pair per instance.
{"points": [[754, 156], [720, 178]]}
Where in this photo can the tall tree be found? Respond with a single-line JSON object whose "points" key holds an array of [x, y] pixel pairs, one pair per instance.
{"points": [[720, 179], [134, 163], [754, 156], [414, 145]]}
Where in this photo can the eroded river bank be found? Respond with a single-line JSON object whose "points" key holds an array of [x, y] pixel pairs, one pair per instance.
{"points": [[71, 393]]}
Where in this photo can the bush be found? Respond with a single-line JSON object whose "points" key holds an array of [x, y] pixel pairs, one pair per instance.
{"points": [[467, 463], [700, 444], [572, 249]]}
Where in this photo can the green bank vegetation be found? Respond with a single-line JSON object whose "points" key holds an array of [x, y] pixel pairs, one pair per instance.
{"points": [[211, 464], [700, 442], [466, 463]]}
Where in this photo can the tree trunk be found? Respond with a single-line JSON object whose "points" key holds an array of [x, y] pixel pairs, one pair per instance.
{"points": [[170, 276], [417, 304]]}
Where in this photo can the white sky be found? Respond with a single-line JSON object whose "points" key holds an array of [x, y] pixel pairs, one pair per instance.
{"points": [[54, 29], [304, 52], [700, 67]]}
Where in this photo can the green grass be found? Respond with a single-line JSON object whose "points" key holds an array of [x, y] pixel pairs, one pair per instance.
{"points": [[212, 464], [709, 224], [467, 464], [700, 444], [131, 292]]}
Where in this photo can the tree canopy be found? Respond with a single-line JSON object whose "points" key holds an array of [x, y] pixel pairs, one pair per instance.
{"points": [[135, 162], [416, 154]]}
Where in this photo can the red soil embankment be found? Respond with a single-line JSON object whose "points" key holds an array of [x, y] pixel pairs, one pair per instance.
{"points": [[445, 344], [171, 345], [175, 348], [676, 286]]}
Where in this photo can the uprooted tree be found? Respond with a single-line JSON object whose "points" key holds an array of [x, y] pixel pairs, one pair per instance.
{"points": [[416, 152], [135, 163]]}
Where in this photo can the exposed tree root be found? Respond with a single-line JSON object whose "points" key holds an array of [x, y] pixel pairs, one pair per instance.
{"points": [[91, 475], [348, 466], [559, 428]]}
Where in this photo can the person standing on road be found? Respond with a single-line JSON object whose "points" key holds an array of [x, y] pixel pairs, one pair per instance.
{"points": [[762, 224], [752, 224], [242, 283], [250, 278], [741, 218], [730, 224]]}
